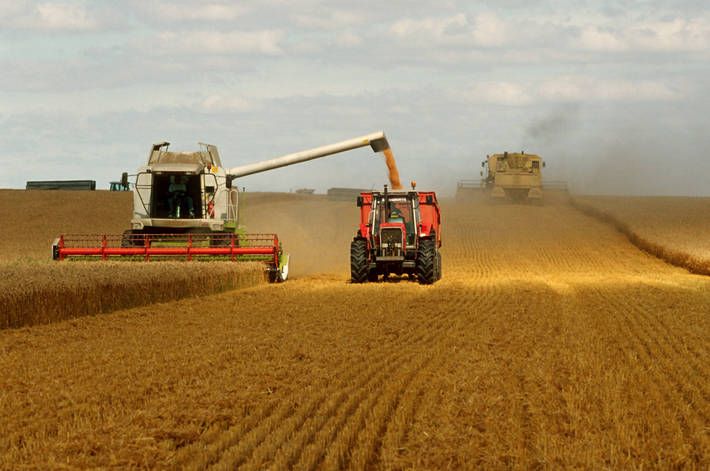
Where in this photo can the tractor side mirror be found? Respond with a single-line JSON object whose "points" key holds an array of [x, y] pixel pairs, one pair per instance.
{"points": [[359, 201], [124, 180], [543, 163]]}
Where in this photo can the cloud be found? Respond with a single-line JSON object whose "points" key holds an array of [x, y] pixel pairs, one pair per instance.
{"points": [[498, 93], [216, 103], [59, 16], [348, 39], [329, 21], [48, 16], [585, 89], [569, 89], [677, 34], [483, 29], [266, 42], [220, 12]]}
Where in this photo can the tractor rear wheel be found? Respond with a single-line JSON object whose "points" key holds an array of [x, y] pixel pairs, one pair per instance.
{"points": [[426, 266], [438, 265], [359, 266]]}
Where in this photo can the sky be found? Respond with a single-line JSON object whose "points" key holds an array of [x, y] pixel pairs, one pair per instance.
{"points": [[615, 96]]}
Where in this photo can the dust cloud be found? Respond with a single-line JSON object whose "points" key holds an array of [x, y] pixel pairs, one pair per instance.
{"points": [[622, 151], [315, 231]]}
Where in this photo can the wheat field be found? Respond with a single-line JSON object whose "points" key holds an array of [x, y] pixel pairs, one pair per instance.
{"points": [[37, 290], [551, 342], [673, 228]]}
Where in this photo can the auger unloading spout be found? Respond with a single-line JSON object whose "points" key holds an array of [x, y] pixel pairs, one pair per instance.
{"points": [[376, 140]]}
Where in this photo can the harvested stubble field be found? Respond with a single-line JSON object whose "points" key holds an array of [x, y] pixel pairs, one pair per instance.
{"points": [[551, 342]]}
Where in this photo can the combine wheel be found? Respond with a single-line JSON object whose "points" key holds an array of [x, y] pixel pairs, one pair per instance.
{"points": [[359, 266], [426, 267], [280, 274]]}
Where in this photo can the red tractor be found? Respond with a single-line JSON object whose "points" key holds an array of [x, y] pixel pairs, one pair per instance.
{"points": [[400, 232]]}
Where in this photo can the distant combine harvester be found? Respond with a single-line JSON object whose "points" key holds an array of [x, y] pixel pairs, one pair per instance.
{"points": [[61, 185]]}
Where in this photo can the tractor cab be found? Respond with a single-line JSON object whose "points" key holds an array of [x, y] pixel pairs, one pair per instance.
{"points": [[398, 211]]}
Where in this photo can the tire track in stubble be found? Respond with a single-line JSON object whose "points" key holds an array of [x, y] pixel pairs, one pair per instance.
{"points": [[694, 371], [456, 306], [356, 408], [663, 355], [362, 443], [423, 396], [259, 433], [628, 320], [673, 362], [383, 402], [239, 442]]}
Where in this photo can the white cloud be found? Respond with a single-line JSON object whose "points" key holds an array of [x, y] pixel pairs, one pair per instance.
{"points": [[498, 93], [60, 16], [200, 12], [348, 39], [226, 103], [266, 42], [595, 39], [484, 29], [678, 34], [569, 89], [47, 16], [329, 21], [585, 89]]}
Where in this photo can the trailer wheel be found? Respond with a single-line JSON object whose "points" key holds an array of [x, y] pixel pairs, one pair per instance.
{"points": [[359, 266], [426, 266]]}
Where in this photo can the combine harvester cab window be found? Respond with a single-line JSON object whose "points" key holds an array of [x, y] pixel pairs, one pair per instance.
{"points": [[161, 194]]}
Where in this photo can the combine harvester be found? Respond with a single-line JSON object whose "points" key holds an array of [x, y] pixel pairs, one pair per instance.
{"points": [[517, 176], [186, 206]]}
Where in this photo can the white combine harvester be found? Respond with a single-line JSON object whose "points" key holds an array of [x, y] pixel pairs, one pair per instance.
{"points": [[186, 205]]}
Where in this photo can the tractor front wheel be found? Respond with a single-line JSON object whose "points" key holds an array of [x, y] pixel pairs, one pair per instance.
{"points": [[359, 265], [427, 262]]}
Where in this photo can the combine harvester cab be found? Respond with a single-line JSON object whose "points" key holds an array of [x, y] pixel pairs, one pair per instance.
{"points": [[185, 206], [517, 176], [399, 233]]}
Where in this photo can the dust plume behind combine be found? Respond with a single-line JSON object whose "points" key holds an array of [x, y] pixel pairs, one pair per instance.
{"points": [[629, 151]]}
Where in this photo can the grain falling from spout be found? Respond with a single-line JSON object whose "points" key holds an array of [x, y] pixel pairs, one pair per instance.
{"points": [[392, 169]]}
